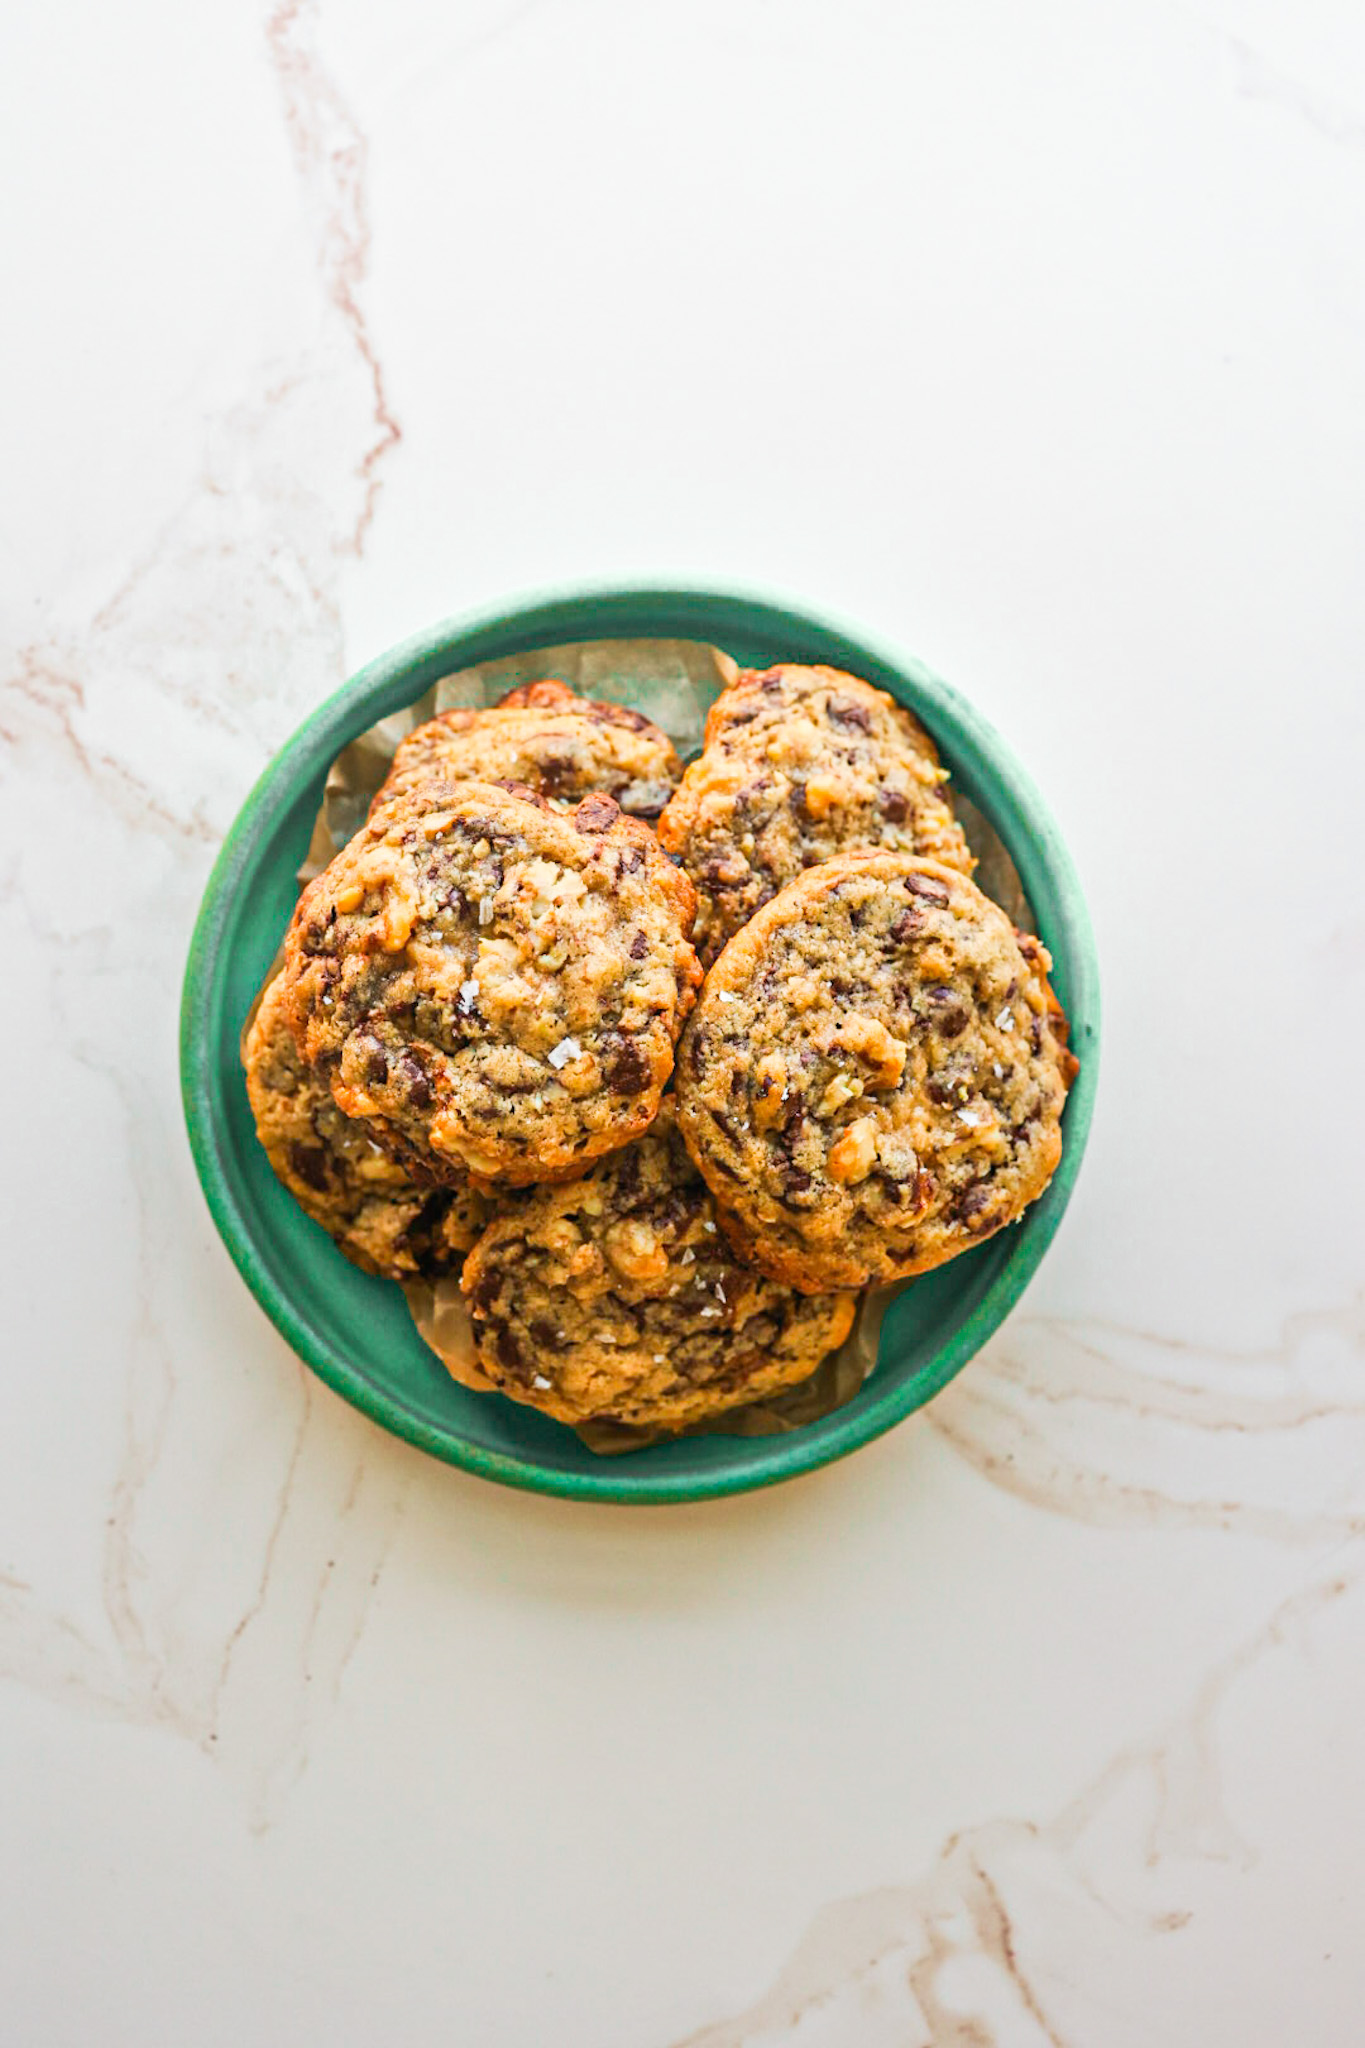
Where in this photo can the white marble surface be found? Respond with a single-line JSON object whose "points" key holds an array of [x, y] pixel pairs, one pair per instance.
{"points": [[1030, 339]]}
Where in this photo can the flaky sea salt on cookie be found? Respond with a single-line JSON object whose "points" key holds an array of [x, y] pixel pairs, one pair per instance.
{"points": [[561, 745], [337, 1172], [617, 1298], [874, 1076], [799, 765], [496, 985]]}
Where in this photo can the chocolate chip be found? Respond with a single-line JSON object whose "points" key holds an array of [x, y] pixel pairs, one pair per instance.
{"points": [[970, 1206], [546, 1335], [847, 711], [925, 886], [626, 1070], [509, 1351], [894, 805], [597, 813], [949, 1016], [797, 800], [941, 1092], [619, 714], [310, 1164], [419, 1087], [639, 946], [906, 926], [485, 1289], [376, 1062], [696, 1054], [718, 1117]]}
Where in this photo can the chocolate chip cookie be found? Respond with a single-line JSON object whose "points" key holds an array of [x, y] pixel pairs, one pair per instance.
{"points": [[542, 735], [380, 1218], [875, 1073], [801, 764], [497, 986], [617, 1298]]}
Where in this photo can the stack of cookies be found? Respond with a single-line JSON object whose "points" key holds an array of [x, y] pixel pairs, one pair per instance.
{"points": [[668, 1065]]}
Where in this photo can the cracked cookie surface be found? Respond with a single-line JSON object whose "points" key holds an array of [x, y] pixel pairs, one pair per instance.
{"points": [[497, 985], [874, 1076], [561, 745], [800, 765], [617, 1298], [331, 1164]]}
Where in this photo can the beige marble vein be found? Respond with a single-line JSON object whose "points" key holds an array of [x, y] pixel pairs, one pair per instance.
{"points": [[150, 716], [951, 1958], [1122, 1427], [331, 155]]}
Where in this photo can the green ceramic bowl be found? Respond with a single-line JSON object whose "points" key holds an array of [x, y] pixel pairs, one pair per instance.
{"points": [[354, 1330]]}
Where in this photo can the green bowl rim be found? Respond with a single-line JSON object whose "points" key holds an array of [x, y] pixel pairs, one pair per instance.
{"points": [[537, 618]]}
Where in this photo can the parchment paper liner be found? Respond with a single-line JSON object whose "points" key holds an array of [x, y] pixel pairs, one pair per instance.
{"points": [[673, 682]]}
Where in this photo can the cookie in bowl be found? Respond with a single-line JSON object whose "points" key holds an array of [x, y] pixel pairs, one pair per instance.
{"points": [[874, 1076], [799, 765], [563, 746], [336, 1171], [495, 985], [617, 1298]]}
